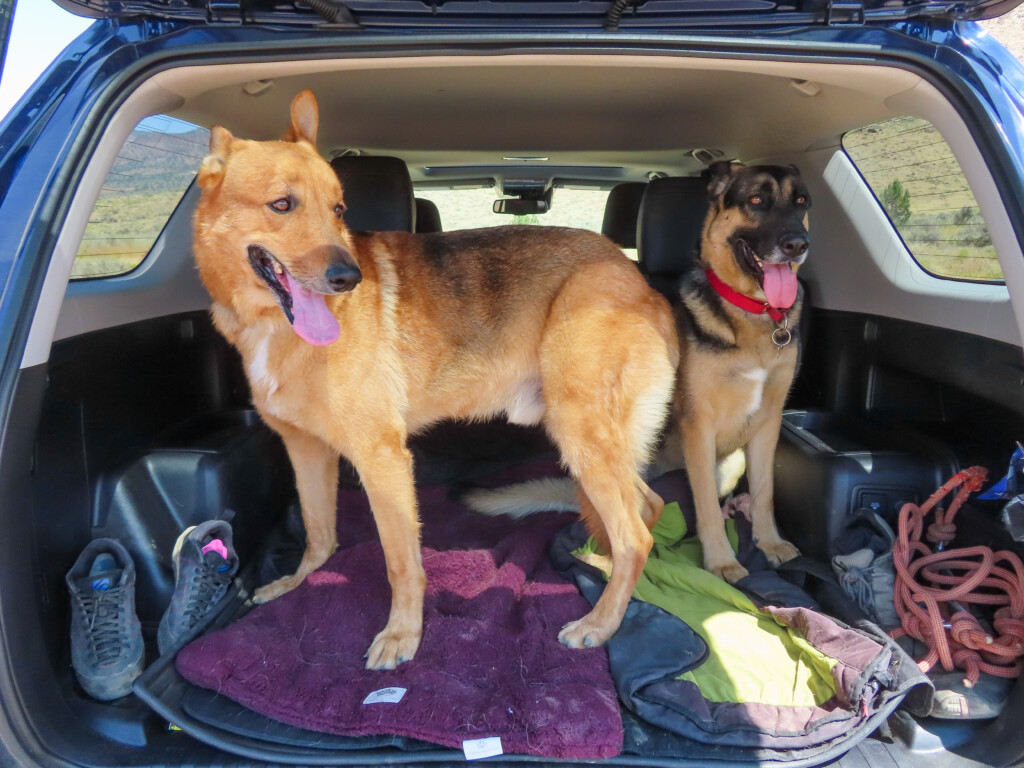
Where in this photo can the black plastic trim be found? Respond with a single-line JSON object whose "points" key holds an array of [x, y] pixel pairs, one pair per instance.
{"points": [[584, 14]]}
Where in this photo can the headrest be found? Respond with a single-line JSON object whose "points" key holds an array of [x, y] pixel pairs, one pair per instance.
{"points": [[671, 219], [621, 212], [428, 219], [378, 193]]}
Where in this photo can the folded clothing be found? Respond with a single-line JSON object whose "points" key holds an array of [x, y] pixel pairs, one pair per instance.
{"points": [[755, 657], [700, 658], [489, 663]]}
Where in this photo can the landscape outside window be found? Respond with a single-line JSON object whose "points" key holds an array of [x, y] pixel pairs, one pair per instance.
{"points": [[159, 160], [905, 161], [915, 177], [152, 171], [472, 208]]}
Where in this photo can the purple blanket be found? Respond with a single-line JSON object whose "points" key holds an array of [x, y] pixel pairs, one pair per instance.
{"points": [[489, 663]]}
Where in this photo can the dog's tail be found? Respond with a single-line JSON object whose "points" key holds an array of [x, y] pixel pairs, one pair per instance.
{"points": [[549, 494]]}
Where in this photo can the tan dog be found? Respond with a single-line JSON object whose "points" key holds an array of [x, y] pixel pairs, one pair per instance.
{"points": [[352, 341], [739, 347], [737, 323]]}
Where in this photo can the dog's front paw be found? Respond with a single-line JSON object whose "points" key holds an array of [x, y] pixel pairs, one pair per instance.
{"points": [[778, 551], [728, 570], [390, 648], [274, 589], [583, 633]]}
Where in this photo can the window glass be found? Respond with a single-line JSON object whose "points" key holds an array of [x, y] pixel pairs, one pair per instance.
{"points": [[151, 173], [472, 208], [915, 177]]}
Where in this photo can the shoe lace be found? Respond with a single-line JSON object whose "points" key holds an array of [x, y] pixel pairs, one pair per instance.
{"points": [[205, 589], [103, 611]]}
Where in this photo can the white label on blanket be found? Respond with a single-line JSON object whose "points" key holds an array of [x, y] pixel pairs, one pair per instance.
{"points": [[476, 749], [385, 696]]}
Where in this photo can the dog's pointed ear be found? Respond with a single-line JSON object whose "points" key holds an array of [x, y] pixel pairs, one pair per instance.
{"points": [[305, 119], [212, 169], [718, 175]]}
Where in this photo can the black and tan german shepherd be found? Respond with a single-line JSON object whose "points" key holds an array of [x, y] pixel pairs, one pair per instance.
{"points": [[739, 337], [738, 323]]}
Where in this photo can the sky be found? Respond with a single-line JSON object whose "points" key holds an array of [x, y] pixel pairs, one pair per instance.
{"points": [[41, 30]]}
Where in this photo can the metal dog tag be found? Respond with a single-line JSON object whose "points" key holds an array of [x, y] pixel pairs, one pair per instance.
{"points": [[782, 336]]}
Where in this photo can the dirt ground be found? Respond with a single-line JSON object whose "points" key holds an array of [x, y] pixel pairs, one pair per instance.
{"points": [[1009, 30]]}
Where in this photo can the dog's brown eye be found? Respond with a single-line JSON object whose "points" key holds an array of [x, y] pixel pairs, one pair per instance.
{"points": [[281, 205], [755, 200], [801, 200], [339, 210]]}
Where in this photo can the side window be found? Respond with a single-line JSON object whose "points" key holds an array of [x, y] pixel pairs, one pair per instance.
{"points": [[151, 173], [915, 177]]}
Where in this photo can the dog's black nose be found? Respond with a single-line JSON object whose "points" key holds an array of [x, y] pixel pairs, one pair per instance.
{"points": [[794, 245], [343, 276]]}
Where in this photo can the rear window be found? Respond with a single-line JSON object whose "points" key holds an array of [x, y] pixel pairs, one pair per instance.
{"points": [[152, 171], [472, 208], [919, 183]]}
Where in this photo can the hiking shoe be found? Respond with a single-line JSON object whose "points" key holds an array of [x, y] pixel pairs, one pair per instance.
{"points": [[955, 701], [204, 565], [106, 637], [864, 566]]}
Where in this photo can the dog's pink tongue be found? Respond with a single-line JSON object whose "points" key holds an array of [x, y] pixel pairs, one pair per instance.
{"points": [[313, 320], [780, 285]]}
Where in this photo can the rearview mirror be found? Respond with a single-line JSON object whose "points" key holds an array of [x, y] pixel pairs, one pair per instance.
{"points": [[519, 207]]}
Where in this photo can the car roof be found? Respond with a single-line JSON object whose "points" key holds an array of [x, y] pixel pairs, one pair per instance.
{"points": [[543, 14]]}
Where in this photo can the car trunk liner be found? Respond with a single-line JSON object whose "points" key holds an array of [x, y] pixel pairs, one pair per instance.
{"points": [[217, 720]]}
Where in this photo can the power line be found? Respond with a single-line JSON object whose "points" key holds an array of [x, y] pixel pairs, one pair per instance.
{"points": [[938, 210], [943, 192], [948, 224], [953, 256], [903, 149], [931, 241], [889, 137], [940, 176], [160, 149], [906, 165], [112, 253], [181, 137], [121, 237]]}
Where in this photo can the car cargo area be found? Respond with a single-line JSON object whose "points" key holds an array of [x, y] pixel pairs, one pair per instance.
{"points": [[193, 449], [133, 418]]}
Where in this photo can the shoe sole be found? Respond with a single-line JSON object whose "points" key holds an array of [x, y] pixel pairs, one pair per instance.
{"points": [[110, 688]]}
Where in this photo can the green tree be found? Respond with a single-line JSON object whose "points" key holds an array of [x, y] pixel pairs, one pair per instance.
{"points": [[964, 216], [896, 201]]}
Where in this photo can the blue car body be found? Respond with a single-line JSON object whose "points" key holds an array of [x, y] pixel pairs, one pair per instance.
{"points": [[48, 137]]}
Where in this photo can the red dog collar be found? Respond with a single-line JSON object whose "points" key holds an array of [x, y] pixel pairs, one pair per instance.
{"points": [[745, 303]]}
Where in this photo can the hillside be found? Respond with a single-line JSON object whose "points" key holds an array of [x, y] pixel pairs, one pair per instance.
{"points": [[914, 174], [142, 188]]}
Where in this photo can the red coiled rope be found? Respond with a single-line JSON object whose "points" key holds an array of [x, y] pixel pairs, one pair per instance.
{"points": [[927, 582]]}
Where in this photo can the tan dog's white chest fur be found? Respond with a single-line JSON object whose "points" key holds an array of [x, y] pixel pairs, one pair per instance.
{"points": [[756, 377], [256, 341], [736, 406]]}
